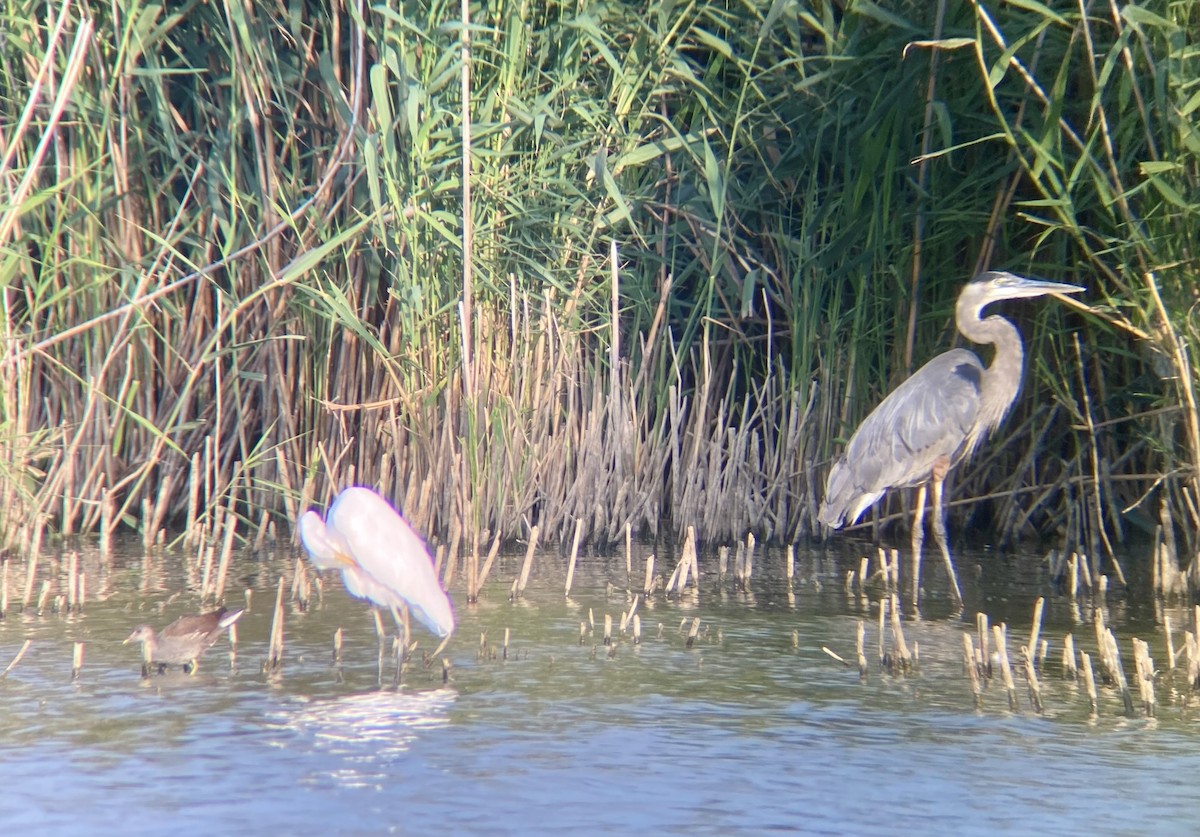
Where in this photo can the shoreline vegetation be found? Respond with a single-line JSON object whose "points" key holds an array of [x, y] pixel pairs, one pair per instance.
{"points": [[703, 242]]}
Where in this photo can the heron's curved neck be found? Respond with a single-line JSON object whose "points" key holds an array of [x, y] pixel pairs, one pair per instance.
{"points": [[1003, 377]]}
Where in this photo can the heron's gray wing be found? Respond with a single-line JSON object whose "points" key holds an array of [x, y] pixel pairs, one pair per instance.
{"points": [[929, 416]]}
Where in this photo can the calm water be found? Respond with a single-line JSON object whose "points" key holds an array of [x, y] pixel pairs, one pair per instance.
{"points": [[753, 729]]}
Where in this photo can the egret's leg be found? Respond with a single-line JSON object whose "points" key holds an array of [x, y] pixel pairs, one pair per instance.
{"points": [[918, 540], [939, 528]]}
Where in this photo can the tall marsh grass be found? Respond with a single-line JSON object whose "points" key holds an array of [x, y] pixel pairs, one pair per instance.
{"points": [[705, 240]]}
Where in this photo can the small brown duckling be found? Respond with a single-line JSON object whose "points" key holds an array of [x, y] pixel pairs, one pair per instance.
{"points": [[184, 641]]}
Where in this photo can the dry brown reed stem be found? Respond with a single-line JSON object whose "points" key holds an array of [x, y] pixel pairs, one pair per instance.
{"points": [[860, 645], [1144, 667], [30, 577], [1089, 680], [999, 634], [487, 566], [574, 553], [749, 562], [894, 569], [64, 84], [231, 523], [693, 631], [972, 670], [106, 525], [1094, 494], [206, 576], [72, 578], [1031, 679], [24, 647], [648, 587], [1070, 672], [628, 554], [275, 652], [790, 562], [523, 579]]}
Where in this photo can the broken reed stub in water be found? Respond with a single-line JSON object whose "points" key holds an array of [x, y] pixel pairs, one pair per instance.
{"points": [[275, 653], [30, 576], [1038, 606], [981, 626], [76, 660], [693, 631], [972, 670], [24, 647], [722, 562], [648, 587], [902, 658], [337, 645], [42, 596], [1170, 642], [504, 647], [608, 629], [4, 589], [1070, 672], [1031, 679], [637, 629], [860, 646], [583, 632], [1144, 667], [999, 635], [791, 562], [527, 564], [1089, 681]]}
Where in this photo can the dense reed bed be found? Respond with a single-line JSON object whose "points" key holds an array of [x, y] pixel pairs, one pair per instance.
{"points": [[242, 266]]}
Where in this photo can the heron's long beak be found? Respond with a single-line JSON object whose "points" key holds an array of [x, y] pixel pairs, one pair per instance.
{"points": [[1011, 286]]}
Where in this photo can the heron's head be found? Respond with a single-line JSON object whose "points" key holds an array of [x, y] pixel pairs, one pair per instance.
{"points": [[995, 285]]}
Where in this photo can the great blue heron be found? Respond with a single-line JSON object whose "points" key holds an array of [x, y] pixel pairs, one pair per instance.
{"points": [[381, 558], [936, 418]]}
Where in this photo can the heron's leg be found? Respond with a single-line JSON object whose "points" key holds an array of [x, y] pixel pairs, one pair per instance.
{"points": [[939, 526], [918, 540]]}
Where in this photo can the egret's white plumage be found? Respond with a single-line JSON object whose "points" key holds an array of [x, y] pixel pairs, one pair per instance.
{"points": [[381, 558]]}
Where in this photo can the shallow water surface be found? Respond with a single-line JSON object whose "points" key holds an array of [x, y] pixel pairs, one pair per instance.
{"points": [[753, 728]]}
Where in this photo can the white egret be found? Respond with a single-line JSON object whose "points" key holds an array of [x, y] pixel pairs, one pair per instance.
{"points": [[381, 558]]}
